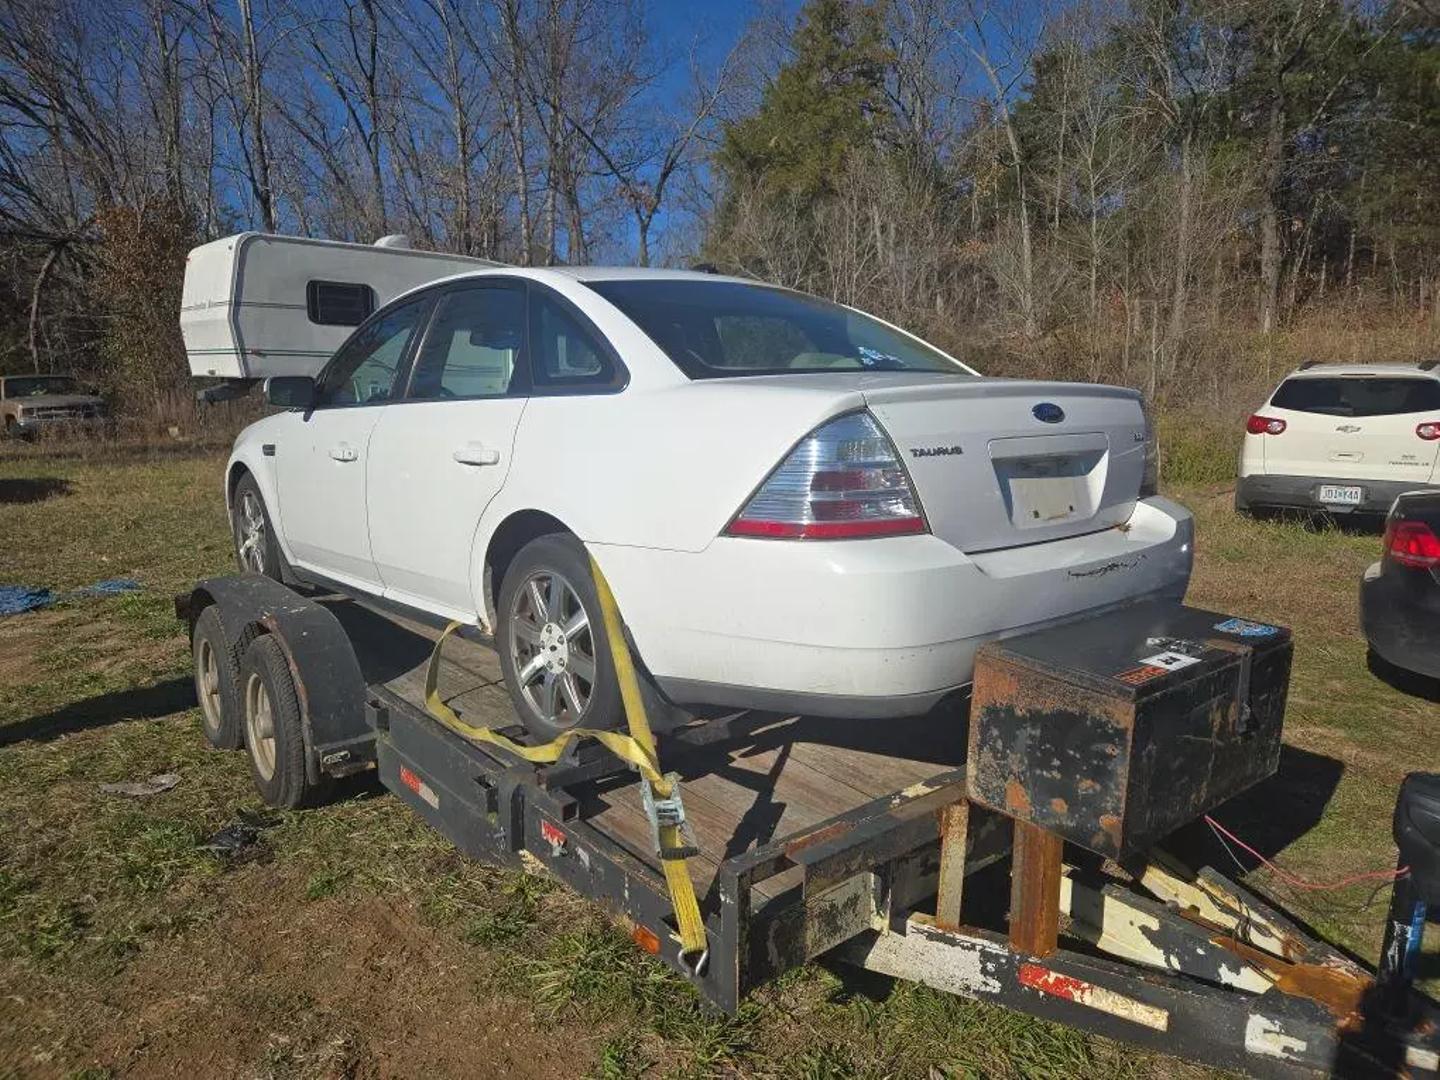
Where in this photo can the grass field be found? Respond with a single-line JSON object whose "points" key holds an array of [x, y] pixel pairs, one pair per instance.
{"points": [[361, 944]]}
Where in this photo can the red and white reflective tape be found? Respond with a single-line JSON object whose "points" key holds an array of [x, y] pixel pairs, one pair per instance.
{"points": [[411, 779], [1096, 997], [554, 836]]}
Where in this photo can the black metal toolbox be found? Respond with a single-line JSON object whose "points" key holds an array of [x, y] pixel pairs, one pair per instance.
{"points": [[1116, 730]]}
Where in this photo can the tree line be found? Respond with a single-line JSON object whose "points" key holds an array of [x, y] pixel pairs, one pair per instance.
{"points": [[1158, 192]]}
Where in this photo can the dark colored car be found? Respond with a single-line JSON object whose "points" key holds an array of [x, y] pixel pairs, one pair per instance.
{"points": [[1400, 594]]}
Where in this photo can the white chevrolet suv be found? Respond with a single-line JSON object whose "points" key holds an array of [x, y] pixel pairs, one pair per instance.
{"points": [[1343, 438], [799, 507]]}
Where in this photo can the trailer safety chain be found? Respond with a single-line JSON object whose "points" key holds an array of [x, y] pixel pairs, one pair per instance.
{"points": [[674, 840]]}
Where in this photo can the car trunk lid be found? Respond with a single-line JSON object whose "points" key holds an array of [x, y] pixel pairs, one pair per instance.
{"points": [[1000, 463]]}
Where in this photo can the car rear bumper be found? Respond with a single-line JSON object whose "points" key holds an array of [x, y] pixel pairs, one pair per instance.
{"points": [[1302, 492], [872, 628], [1401, 619]]}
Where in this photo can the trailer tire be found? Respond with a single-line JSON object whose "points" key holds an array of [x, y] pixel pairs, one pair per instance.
{"points": [[273, 725], [217, 681], [563, 555]]}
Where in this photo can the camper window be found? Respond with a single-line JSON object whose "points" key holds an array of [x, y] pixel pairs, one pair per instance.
{"points": [[472, 345], [338, 303]]}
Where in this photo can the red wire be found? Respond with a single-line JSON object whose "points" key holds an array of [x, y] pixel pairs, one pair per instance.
{"points": [[1299, 882]]}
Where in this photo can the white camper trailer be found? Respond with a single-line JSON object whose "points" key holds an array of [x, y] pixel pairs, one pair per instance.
{"points": [[256, 305]]}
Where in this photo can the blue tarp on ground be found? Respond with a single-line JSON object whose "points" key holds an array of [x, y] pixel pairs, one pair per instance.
{"points": [[15, 599]]}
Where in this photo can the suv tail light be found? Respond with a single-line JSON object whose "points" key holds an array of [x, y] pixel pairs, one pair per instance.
{"points": [[1429, 430], [1264, 425], [843, 481], [1412, 543]]}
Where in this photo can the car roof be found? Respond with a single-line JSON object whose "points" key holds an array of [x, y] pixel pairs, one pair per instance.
{"points": [[1320, 371], [647, 273], [584, 275]]}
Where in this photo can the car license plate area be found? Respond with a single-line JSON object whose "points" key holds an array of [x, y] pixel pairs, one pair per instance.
{"points": [[1340, 495], [1043, 491]]}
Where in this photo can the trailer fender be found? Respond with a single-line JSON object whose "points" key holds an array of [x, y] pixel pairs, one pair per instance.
{"points": [[328, 680]]}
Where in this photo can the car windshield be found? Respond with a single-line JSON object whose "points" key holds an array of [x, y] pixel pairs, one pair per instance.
{"points": [[1358, 395], [719, 329], [35, 385]]}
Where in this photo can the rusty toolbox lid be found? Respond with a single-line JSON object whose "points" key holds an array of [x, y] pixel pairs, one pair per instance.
{"points": [[1137, 651]]}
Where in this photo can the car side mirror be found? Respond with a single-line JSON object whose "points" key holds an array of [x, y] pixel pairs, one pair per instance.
{"points": [[290, 391]]}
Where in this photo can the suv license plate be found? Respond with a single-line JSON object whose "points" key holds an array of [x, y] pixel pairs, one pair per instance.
{"points": [[1340, 495]]}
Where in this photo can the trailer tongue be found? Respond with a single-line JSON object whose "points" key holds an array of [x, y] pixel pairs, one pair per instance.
{"points": [[889, 847]]}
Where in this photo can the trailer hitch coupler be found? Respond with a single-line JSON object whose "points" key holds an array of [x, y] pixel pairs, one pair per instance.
{"points": [[1417, 887]]}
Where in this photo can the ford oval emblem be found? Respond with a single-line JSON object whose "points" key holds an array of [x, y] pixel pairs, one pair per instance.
{"points": [[1047, 412]]}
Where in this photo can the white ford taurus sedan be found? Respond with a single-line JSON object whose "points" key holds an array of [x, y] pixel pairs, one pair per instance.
{"points": [[799, 507]]}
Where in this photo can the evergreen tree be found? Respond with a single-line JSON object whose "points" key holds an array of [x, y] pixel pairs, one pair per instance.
{"points": [[826, 104]]}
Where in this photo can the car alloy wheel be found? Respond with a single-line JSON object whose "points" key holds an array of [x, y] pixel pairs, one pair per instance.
{"points": [[552, 648], [250, 525], [260, 726]]}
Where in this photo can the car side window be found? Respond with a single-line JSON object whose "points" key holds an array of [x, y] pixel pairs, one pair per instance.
{"points": [[365, 370], [472, 345], [565, 352]]}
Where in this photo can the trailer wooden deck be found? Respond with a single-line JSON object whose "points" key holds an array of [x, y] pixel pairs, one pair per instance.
{"points": [[769, 777]]}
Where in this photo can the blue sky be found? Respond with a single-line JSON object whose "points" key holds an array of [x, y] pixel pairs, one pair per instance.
{"points": [[716, 25]]}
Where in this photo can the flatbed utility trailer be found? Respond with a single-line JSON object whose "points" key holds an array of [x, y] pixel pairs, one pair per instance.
{"points": [[850, 840]]}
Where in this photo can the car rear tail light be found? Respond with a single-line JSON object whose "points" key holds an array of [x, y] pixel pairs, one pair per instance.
{"points": [[1429, 431], [1264, 425], [843, 481], [1412, 543]]}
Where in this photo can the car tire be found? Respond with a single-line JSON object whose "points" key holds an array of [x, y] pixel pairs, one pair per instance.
{"points": [[256, 549], [557, 665], [217, 681], [273, 728]]}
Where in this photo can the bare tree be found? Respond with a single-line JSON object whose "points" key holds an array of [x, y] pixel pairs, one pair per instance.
{"points": [[993, 36]]}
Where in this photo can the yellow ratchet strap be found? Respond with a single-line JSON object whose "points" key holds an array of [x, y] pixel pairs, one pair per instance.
{"points": [[637, 748]]}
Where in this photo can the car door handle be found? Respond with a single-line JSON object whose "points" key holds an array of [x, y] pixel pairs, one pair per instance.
{"points": [[474, 453], [344, 452]]}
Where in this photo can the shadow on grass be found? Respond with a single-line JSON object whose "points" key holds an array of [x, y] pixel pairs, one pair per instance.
{"points": [[1269, 817], [32, 489], [138, 703], [1358, 523], [1407, 682]]}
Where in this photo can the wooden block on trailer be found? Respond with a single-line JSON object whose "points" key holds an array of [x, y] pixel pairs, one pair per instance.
{"points": [[1035, 890]]}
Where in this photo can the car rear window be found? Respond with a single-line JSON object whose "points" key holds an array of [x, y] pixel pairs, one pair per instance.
{"points": [[720, 329], [1358, 395]]}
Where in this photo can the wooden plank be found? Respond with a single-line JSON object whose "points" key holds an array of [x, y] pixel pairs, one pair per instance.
{"points": [[1035, 890], [873, 774]]}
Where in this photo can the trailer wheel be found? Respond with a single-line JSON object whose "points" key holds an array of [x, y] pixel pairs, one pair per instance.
{"points": [[274, 734], [217, 682]]}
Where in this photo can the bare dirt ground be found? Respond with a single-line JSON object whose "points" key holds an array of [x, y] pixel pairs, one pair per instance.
{"points": [[356, 943]]}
